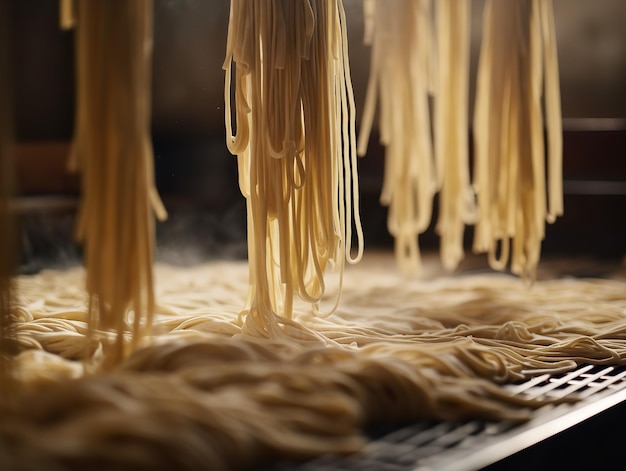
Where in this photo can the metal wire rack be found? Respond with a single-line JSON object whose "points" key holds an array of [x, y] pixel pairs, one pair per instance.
{"points": [[475, 444]]}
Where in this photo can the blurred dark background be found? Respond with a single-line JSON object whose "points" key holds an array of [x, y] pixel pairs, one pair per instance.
{"points": [[197, 176]]}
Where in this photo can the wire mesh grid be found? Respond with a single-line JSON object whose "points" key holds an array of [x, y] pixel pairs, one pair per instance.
{"points": [[473, 444]]}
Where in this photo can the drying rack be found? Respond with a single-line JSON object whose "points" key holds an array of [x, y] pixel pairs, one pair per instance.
{"points": [[576, 435]]}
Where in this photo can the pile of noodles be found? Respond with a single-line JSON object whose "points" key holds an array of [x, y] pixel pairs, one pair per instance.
{"points": [[203, 394]]}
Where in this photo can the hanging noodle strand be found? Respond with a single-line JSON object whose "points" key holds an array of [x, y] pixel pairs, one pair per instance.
{"points": [[295, 142], [401, 71], [112, 150], [451, 129], [517, 77]]}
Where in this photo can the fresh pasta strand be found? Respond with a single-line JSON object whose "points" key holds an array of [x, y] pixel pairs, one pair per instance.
{"points": [[451, 129], [517, 70], [553, 112], [401, 72], [112, 150], [295, 143]]}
